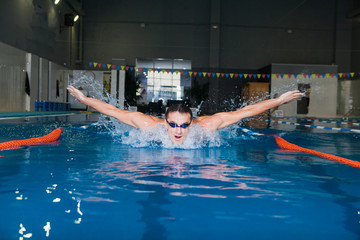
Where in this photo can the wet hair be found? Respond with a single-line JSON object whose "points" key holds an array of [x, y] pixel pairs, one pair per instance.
{"points": [[181, 108]]}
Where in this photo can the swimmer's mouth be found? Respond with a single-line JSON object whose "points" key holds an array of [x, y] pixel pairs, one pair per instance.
{"points": [[177, 138]]}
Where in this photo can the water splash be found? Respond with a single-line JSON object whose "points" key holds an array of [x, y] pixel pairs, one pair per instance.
{"points": [[93, 88]]}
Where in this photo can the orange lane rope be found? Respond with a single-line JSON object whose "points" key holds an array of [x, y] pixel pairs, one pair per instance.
{"points": [[289, 146], [51, 137]]}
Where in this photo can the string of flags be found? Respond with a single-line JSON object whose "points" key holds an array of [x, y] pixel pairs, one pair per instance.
{"points": [[222, 75]]}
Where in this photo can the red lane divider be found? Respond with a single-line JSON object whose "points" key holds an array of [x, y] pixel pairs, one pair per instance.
{"points": [[51, 137], [282, 143]]}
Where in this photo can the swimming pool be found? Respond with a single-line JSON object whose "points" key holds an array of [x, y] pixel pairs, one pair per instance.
{"points": [[90, 185]]}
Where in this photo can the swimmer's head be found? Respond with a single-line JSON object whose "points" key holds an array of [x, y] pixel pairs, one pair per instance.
{"points": [[178, 119]]}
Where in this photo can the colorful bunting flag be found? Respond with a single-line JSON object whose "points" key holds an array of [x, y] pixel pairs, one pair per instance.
{"points": [[226, 75]]}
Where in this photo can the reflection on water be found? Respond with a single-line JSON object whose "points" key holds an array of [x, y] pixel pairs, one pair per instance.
{"points": [[183, 173]]}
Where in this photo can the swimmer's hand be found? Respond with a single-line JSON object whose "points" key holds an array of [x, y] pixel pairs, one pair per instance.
{"points": [[290, 96], [76, 93]]}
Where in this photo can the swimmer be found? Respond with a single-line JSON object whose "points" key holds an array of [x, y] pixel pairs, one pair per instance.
{"points": [[178, 118]]}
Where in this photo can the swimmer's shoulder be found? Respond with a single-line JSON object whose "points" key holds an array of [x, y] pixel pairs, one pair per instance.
{"points": [[154, 122], [206, 122]]}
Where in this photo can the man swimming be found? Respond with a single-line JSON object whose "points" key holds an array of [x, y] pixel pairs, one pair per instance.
{"points": [[178, 118]]}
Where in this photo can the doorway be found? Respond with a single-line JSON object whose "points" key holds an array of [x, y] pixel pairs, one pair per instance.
{"points": [[304, 102]]}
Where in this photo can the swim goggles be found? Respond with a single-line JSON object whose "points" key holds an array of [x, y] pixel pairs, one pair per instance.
{"points": [[174, 125]]}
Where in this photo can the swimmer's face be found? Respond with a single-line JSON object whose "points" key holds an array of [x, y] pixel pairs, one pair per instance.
{"points": [[178, 134]]}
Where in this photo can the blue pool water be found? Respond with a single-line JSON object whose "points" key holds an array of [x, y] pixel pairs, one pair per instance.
{"points": [[91, 185]]}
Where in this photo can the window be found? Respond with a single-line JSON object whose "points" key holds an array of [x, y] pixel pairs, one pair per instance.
{"points": [[166, 82]]}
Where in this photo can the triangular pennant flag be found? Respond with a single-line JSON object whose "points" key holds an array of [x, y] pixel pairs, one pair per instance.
{"points": [[250, 75], [99, 65], [332, 75], [200, 73], [258, 76], [190, 73], [268, 75], [295, 75], [305, 75], [127, 68], [313, 75], [319, 75], [140, 69], [163, 71], [108, 66], [104, 65], [172, 71], [327, 75], [195, 73], [240, 75], [204, 74], [182, 72], [218, 75], [131, 68], [213, 74], [273, 75], [209, 74], [226, 75], [300, 75], [245, 75], [323, 75], [236, 75], [118, 67], [122, 67], [222, 75], [278, 75], [285, 76], [348, 74], [154, 70], [176, 72], [282, 75], [168, 71], [263, 75], [113, 66], [90, 64], [186, 73], [231, 75], [95, 64]]}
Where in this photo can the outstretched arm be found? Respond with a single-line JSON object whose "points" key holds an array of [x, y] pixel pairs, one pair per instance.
{"points": [[135, 119], [224, 119]]}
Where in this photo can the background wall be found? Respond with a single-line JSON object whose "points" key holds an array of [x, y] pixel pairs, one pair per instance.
{"points": [[349, 98], [12, 79], [37, 26], [216, 34], [323, 96]]}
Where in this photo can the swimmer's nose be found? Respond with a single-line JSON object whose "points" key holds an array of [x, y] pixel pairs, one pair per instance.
{"points": [[178, 129]]}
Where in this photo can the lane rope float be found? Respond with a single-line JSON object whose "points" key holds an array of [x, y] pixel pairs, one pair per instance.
{"points": [[349, 121], [87, 126], [312, 126], [282, 143], [51, 137], [327, 121]]}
